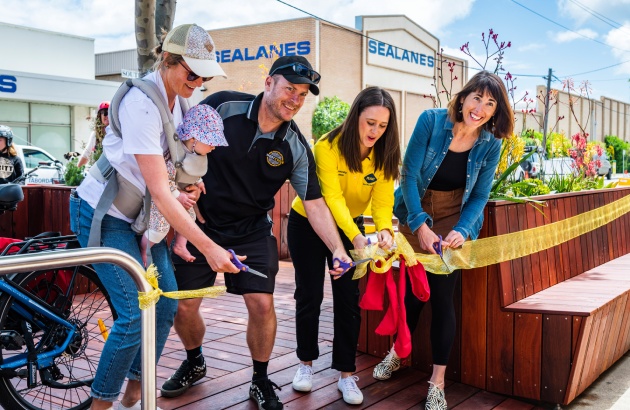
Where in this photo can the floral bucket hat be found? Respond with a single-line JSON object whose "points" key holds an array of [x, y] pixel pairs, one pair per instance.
{"points": [[204, 124]]}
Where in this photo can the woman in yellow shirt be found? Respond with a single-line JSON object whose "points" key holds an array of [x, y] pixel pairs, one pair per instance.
{"points": [[357, 162]]}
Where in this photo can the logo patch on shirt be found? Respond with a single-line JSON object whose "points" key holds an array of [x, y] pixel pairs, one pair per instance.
{"points": [[370, 179], [6, 167], [275, 158]]}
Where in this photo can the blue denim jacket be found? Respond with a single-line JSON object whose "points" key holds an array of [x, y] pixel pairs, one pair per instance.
{"points": [[426, 150]]}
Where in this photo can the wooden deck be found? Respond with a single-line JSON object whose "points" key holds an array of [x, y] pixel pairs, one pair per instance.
{"points": [[229, 365]]}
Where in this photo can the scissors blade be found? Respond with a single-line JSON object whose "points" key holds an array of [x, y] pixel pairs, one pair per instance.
{"points": [[242, 267], [360, 261], [445, 264], [437, 246], [255, 272]]}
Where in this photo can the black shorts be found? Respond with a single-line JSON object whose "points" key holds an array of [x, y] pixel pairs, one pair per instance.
{"points": [[262, 255]]}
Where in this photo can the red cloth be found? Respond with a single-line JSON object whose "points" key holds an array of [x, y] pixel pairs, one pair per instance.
{"points": [[4, 242], [395, 320]]}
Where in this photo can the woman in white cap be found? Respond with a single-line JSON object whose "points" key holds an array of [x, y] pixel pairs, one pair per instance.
{"points": [[95, 143], [185, 60]]}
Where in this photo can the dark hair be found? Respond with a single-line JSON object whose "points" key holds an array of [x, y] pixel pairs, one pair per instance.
{"points": [[502, 123], [387, 148]]}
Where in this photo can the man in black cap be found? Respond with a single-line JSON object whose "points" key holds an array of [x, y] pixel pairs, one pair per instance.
{"points": [[265, 148]]}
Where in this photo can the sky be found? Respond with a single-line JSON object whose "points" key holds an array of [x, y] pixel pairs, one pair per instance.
{"points": [[584, 40]]}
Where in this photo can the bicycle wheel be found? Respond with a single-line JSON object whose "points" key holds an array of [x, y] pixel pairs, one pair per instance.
{"points": [[76, 295]]}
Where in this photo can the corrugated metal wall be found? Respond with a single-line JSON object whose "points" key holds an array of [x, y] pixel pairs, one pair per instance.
{"points": [[112, 63]]}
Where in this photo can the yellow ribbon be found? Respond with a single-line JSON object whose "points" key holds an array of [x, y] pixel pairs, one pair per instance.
{"points": [[150, 298], [386, 257], [496, 249]]}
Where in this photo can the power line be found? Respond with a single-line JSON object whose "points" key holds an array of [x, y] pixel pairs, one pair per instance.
{"points": [[598, 69], [542, 76], [566, 28], [598, 15]]}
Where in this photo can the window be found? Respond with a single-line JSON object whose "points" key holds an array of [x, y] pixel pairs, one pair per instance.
{"points": [[48, 126], [32, 157]]}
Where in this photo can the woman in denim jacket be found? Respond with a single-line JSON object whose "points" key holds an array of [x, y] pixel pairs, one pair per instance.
{"points": [[446, 177]]}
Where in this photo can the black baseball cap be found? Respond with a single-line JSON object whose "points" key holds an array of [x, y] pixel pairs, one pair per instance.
{"points": [[296, 70]]}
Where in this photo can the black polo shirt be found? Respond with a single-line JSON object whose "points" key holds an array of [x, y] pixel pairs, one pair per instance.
{"points": [[244, 177]]}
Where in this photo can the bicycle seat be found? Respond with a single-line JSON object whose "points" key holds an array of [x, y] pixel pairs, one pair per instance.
{"points": [[10, 195]]}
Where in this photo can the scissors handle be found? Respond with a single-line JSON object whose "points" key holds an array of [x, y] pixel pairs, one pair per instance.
{"points": [[241, 266], [437, 246], [346, 266]]}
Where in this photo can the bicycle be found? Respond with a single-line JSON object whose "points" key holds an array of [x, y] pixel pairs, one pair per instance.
{"points": [[53, 324]]}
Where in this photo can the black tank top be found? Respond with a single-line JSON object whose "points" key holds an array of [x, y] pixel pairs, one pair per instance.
{"points": [[451, 174]]}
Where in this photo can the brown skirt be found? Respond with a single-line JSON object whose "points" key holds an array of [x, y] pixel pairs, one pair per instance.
{"points": [[444, 208]]}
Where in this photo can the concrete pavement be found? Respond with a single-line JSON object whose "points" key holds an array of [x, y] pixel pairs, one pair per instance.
{"points": [[611, 391]]}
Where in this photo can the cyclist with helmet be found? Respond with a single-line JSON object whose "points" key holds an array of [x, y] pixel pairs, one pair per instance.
{"points": [[95, 144], [11, 166]]}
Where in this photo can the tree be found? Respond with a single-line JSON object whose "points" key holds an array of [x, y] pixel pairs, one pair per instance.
{"points": [[329, 114], [151, 17]]}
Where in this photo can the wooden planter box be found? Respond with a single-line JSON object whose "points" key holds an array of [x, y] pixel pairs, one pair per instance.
{"points": [[45, 208], [506, 353]]}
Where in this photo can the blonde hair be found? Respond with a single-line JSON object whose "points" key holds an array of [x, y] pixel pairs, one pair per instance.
{"points": [[162, 61]]}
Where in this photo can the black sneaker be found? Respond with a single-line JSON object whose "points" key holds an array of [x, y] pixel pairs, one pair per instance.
{"points": [[262, 392], [184, 377]]}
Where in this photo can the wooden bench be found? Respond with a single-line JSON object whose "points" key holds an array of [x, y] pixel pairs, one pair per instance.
{"points": [[575, 329], [539, 355]]}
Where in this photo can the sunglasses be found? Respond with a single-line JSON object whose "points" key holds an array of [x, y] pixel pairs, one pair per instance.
{"points": [[192, 76], [302, 71]]}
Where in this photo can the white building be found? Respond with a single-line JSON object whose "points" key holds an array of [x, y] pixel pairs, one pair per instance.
{"points": [[47, 87]]}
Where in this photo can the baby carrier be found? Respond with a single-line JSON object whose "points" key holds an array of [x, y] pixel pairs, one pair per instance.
{"points": [[120, 192]]}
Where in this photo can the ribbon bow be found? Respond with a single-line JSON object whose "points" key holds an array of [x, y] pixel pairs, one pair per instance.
{"points": [[150, 298]]}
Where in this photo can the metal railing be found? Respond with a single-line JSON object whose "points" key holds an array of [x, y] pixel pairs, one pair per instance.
{"points": [[77, 257]]}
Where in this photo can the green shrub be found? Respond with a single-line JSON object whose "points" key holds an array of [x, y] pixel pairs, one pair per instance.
{"points": [[618, 146], [73, 175], [329, 114]]}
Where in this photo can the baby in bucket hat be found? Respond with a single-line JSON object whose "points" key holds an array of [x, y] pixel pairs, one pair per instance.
{"points": [[201, 132]]}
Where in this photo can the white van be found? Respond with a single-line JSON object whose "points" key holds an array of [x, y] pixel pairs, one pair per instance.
{"points": [[50, 170]]}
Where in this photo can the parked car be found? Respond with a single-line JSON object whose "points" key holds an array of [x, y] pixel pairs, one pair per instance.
{"points": [[563, 166], [50, 169], [529, 166], [604, 168]]}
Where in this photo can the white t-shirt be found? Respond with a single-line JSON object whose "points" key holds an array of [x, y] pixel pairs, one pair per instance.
{"points": [[143, 133], [87, 152]]}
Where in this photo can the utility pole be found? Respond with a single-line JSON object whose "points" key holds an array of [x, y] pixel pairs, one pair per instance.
{"points": [[546, 119]]}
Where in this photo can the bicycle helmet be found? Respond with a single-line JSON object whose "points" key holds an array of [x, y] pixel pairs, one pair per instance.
{"points": [[103, 106], [6, 132]]}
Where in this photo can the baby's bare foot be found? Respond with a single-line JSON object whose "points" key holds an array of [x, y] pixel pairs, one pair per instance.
{"points": [[182, 252]]}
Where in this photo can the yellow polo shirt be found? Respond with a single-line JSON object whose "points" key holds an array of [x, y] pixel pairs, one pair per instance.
{"points": [[348, 194]]}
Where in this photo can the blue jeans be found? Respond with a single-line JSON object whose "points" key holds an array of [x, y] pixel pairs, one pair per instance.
{"points": [[121, 356]]}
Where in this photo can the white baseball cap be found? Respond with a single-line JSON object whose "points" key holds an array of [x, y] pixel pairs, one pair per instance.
{"points": [[195, 45]]}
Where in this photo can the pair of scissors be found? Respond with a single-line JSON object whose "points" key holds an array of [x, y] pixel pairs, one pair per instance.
{"points": [[244, 268], [437, 247], [346, 266]]}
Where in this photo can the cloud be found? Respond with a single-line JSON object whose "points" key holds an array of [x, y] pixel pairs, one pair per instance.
{"points": [[567, 36], [581, 11], [111, 23], [620, 39], [530, 47]]}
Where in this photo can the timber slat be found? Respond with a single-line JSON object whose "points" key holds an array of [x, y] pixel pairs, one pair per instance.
{"points": [[556, 357], [527, 354]]}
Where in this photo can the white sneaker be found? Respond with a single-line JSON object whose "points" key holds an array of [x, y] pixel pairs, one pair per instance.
{"points": [[136, 406], [348, 387], [303, 380]]}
